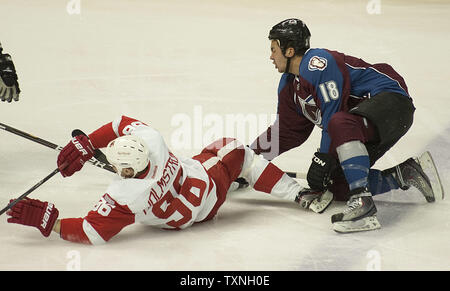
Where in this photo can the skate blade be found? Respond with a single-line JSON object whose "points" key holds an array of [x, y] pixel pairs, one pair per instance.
{"points": [[429, 167], [364, 224], [319, 206]]}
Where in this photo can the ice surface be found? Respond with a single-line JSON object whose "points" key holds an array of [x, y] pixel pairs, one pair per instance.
{"points": [[206, 61]]}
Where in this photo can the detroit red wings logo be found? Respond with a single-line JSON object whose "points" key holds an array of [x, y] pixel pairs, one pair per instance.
{"points": [[317, 63]]}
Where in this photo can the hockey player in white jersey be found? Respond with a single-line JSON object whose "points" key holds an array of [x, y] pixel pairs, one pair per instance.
{"points": [[155, 187]]}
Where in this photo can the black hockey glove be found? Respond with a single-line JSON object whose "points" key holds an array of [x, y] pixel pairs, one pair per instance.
{"points": [[319, 173], [239, 183], [9, 87]]}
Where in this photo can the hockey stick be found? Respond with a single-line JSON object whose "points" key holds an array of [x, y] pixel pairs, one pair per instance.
{"points": [[30, 137], [296, 175], [99, 159], [95, 162], [100, 156], [10, 205]]}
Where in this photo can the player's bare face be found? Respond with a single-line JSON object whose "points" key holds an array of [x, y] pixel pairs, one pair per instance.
{"points": [[277, 57], [126, 172]]}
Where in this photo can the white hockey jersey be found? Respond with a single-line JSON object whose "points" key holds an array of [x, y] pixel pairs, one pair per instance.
{"points": [[174, 192]]}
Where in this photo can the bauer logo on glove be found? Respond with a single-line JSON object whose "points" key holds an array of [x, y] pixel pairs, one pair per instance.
{"points": [[79, 146], [73, 156], [47, 215]]}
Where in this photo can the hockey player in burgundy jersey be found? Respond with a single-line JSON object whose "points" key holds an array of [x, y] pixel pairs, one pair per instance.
{"points": [[154, 186], [362, 109]]}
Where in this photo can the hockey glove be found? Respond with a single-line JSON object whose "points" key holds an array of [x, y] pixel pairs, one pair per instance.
{"points": [[239, 183], [319, 173], [9, 87], [32, 212], [74, 154], [316, 201]]}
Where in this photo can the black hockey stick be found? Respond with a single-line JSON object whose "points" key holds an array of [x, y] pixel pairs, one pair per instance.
{"points": [[10, 205], [296, 175], [100, 159], [99, 155], [94, 161], [30, 137]]}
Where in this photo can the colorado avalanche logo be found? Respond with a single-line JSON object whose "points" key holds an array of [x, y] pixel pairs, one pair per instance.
{"points": [[310, 109], [317, 63]]}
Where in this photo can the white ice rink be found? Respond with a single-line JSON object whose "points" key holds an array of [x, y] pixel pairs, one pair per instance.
{"points": [[206, 62]]}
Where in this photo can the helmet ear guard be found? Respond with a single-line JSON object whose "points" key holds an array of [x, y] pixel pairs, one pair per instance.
{"points": [[128, 151]]}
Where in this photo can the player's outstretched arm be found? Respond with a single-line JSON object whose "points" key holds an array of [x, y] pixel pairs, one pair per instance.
{"points": [[101, 224]]}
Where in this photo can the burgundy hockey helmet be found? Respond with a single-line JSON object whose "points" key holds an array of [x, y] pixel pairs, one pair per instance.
{"points": [[293, 33]]}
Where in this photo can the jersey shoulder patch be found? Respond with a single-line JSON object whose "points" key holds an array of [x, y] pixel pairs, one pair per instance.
{"points": [[315, 60], [317, 63]]}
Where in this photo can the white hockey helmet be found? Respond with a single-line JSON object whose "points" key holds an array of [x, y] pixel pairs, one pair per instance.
{"points": [[128, 151]]}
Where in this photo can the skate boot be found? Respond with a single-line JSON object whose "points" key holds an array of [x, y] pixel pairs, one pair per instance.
{"points": [[412, 173], [316, 201], [359, 214]]}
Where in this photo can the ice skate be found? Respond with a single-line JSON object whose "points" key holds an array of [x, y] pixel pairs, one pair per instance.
{"points": [[422, 174], [360, 214]]}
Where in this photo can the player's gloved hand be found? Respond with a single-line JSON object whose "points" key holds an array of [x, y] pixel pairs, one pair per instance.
{"points": [[33, 212], [316, 201], [239, 183], [9, 87], [319, 173], [73, 156]]}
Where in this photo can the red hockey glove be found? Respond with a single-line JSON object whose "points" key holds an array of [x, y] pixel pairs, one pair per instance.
{"points": [[73, 156], [33, 212]]}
